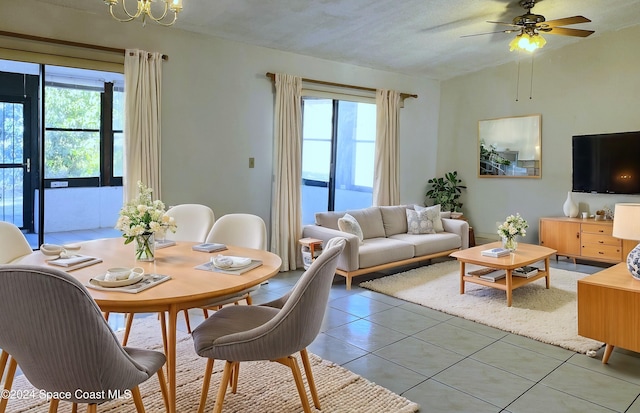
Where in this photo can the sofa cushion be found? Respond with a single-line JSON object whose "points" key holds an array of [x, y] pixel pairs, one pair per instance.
{"points": [[376, 251], [370, 220], [329, 219], [350, 225], [434, 215], [426, 244], [419, 222], [394, 219]]}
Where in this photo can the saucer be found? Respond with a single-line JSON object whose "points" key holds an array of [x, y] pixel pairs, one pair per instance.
{"points": [[118, 283]]}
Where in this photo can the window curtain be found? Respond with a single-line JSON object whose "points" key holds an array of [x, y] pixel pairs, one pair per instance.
{"points": [[286, 216], [386, 174], [142, 85]]}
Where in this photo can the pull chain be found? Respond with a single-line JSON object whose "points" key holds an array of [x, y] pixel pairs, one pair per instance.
{"points": [[531, 84], [518, 80]]}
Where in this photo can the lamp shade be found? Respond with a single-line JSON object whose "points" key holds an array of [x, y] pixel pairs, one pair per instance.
{"points": [[626, 222]]}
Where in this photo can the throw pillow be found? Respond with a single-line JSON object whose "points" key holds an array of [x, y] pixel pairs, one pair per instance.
{"points": [[434, 215], [418, 222], [350, 225]]}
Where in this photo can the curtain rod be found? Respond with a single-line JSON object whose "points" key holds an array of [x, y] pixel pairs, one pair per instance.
{"points": [[272, 76], [67, 43]]}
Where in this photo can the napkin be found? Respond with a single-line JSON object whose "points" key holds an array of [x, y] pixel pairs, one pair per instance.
{"points": [[70, 260], [227, 261]]}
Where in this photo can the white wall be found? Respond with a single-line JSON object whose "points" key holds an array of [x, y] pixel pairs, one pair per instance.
{"points": [[218, 105], [590, 87]]}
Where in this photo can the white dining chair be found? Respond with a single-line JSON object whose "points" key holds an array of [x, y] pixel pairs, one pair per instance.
{"points": [[240, 230], [193, 221]]}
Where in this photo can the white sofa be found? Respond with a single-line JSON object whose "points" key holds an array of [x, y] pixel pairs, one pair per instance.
{"points": [[386, 243]]}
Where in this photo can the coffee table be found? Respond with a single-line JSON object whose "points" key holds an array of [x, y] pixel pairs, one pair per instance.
{"points": [[526, 254]]}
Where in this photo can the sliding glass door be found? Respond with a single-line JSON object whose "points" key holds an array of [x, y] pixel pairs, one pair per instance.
{"points": [[338, 146]]}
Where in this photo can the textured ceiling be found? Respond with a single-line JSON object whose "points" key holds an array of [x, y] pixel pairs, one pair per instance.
{"points": [[415, 37]]}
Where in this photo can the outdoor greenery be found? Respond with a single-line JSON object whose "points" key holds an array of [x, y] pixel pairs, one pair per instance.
{"points": [[446, 191]]}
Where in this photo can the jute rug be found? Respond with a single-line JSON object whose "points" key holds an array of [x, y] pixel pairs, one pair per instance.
{"points": [[545, 315], [262, 387]]}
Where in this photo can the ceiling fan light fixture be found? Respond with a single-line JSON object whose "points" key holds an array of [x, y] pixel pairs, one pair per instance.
{"points": [[527, 42]]}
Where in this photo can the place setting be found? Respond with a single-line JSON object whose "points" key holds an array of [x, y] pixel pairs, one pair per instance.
{"points": [[229, 264], [125, 279], [67, 256]]}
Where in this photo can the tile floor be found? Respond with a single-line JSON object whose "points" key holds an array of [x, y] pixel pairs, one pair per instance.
{"points": [[448, 364]]}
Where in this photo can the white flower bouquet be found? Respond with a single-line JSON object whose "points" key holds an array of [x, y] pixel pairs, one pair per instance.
{"points": [[512, 227]]}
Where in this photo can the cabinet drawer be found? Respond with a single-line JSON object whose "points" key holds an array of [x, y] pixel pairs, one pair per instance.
{"points": [[598, 229], [600, 239], [602, 252]]}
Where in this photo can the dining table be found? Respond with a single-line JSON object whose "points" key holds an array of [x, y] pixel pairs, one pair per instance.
{"points": [[188, 287]]}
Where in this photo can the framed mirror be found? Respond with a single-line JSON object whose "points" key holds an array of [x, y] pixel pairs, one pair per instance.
{"points": [[510, 147]]}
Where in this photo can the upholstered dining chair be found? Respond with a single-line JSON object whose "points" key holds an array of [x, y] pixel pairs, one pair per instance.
{"points": [[56, 333], [272, 331], [240, 230], [13, 243], [193, 223]]}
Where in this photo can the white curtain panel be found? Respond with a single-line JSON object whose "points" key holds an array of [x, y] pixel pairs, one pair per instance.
{"points": [[386, 174], [142, 85], [286, 218]]}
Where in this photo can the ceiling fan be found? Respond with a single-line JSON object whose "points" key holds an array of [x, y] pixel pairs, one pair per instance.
{"points": [[529, 27]]}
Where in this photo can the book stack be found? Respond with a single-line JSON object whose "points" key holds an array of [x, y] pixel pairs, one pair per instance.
{"points": [[525, 272], [494, 276], [495, 252], [209, 247]]}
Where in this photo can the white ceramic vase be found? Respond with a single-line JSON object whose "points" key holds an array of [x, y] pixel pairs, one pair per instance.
{"points": [[570, 208]]}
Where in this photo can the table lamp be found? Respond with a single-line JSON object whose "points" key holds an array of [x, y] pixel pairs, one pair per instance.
{"points": [[626, 225]]}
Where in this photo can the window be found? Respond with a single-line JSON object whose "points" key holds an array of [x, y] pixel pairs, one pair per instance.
{"points": [[338, 149]]}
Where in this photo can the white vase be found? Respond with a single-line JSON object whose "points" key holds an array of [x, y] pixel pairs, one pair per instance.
{"points": [[570, 208]]}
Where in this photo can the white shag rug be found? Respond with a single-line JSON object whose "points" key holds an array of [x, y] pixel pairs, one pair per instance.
{"points": [[263, 386], [550, 316]]}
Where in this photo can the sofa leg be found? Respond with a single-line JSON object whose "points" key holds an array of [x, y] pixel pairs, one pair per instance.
{"points": [[348, 278]]}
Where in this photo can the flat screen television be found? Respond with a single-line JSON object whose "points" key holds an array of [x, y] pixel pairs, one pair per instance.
{"points": [[607, 163]]}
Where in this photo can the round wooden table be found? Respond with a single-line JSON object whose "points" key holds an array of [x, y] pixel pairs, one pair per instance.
{"points": [[187, 288]]}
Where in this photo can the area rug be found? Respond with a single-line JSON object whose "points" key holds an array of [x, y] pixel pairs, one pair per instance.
{"points": [[545, 315], [262, 387]]}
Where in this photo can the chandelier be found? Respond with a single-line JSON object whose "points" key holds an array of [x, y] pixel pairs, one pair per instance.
{"points": [[527, 40], [159, 14]]}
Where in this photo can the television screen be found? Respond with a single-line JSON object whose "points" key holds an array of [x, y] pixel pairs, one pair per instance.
{"points": [[607, 163]]}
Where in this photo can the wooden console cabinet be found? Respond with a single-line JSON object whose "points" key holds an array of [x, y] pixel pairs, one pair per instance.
{"points": [[608, 309], [587, 239]]}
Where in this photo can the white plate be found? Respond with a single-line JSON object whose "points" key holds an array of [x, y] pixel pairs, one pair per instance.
{"points": [[119, 283], [234, 267]]}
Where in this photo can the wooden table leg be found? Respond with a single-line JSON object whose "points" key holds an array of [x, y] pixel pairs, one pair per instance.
{"points": [[509, 284], [171, 357], [548, 276], [461, 277], [607, 353]]}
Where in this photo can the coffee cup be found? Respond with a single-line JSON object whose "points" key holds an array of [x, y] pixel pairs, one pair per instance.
{"points": [[122, 273], [585, 215]]}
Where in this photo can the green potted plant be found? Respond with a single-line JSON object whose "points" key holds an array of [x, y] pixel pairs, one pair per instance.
{"points": [[446, 191]]}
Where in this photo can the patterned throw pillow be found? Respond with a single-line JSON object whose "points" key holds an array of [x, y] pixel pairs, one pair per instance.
{"points": [[434, 215], [350, 225], [418, 222]]}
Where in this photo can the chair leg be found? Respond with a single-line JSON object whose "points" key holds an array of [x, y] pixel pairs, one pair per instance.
{"points": [[92, 408], [226, 375], [127, 329], [4, 357], [137, 399], [205, 312], [234, 378], [206, 381], [163, 327], [106, 316], [53, 405], [312, 383], [163, 389], [8, 383], [249, 299], [186, 320], [74, 408], [297, 376]]}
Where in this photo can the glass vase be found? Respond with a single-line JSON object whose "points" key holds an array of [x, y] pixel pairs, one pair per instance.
{"points": [[145, 247], [510, 244]]}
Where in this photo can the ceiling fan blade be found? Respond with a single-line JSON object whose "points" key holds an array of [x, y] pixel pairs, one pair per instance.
{"points": [[566, 21], [568, 32], [482, 34], [504, 23]]}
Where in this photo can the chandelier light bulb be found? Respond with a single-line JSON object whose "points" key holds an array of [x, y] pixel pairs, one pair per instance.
{"points": [[146, 9]]}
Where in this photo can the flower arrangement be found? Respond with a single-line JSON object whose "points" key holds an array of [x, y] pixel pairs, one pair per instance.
{"points": [[143, 217], [512, 227]]}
